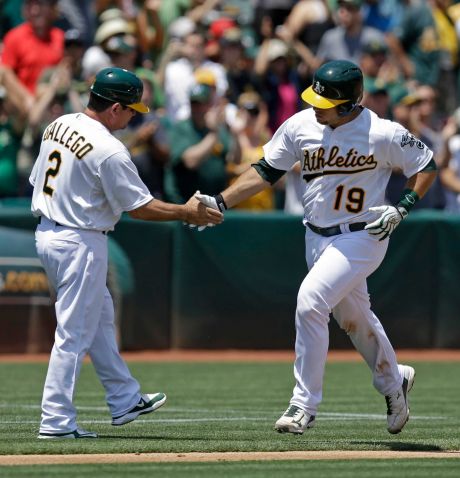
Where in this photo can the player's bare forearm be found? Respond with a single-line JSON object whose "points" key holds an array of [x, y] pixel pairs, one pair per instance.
{"points": [[192, 212], [421, 182], [248, 184]]}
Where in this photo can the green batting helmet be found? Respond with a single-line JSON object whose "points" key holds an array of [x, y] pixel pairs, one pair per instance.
{"points": [[334, 83], [120, 86]]}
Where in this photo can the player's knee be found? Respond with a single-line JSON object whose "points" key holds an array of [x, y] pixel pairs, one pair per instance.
{"points": [[311, 304]]}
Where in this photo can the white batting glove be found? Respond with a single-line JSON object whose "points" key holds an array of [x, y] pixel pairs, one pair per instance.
{"points": [[389, 219], [208, 201], [211, 201], [199, 228]]}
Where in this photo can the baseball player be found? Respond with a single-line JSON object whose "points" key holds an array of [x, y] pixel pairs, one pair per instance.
{"points": [[346, 154], [83, 180]]}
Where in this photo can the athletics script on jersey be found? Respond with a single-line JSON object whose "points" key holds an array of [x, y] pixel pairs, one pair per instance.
{"points": [[73, 141], [318, 163]]}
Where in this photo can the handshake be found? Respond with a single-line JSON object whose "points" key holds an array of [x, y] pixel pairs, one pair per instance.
{"points": [[213, 202]]}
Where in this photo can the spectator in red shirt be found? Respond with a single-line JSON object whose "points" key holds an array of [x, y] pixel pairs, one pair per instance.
{"points": [[35, 44]]}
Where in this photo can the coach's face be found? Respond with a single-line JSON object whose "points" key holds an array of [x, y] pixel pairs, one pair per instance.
{"points": [[120, 116]]}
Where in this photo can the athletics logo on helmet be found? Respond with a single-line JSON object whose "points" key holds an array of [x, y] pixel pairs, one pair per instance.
{"points": [[318, 87], [335, 83], [120, 86]]}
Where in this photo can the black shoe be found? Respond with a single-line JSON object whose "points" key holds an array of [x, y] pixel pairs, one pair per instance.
{"points": [[147, 403]]}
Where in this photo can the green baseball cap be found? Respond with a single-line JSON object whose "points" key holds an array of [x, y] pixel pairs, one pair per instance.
{"points": [[200, 93], [374, 85], [351, 3], [401, 95]]}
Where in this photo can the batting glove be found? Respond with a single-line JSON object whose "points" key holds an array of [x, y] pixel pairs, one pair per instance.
{"points": [[215, 202], [389, 219]]}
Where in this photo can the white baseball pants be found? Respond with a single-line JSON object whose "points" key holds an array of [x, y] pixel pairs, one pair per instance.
{"points": [[76, 263], [338, 268]]}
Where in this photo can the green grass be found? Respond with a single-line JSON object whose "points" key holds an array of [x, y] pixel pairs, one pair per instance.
{"points": [[445, 468], [233, 407]]}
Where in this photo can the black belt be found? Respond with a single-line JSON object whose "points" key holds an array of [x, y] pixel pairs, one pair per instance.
{"points": [[57, 224], [335, 230]]}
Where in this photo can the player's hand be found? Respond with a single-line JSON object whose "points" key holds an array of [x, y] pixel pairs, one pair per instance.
{"points": [[200, 215], [389, 218], [211, 202]]}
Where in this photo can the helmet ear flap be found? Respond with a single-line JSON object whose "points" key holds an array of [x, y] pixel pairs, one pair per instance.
{"points": [[346, 108]]}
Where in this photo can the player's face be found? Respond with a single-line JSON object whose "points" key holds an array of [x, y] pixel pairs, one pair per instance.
{"points": [[328, 117]]}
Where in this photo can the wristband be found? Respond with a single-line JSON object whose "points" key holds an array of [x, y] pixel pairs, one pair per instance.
{"points": [[408, 199], [220, 202]]}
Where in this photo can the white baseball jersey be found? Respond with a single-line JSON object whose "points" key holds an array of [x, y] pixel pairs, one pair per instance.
{"points": [[83, 177], [345, 170]]}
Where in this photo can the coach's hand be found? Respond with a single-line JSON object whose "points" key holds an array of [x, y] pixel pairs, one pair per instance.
{"points": [[389, 218], [198, 214], [211, 202]]}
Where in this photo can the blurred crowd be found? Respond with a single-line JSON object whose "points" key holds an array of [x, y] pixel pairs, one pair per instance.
{"points": [[220, 76]]}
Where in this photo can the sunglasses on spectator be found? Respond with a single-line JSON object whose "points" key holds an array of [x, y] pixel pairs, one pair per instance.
{"points": [[252, 110]]}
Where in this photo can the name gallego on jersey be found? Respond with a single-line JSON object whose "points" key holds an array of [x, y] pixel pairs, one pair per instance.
{"points": [[317, 163], [73, 141]]}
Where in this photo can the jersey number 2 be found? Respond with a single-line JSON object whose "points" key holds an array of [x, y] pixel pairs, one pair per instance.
{"points": [[355, 199], [52, 171]]}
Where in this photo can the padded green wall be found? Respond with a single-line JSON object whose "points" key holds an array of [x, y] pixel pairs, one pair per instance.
{"points": [[235, 285]]}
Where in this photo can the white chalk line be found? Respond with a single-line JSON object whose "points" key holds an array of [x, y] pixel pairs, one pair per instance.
{"points": [[323, 416]]}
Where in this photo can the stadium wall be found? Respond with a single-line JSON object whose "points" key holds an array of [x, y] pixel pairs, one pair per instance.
{"points": [[235, 286]]}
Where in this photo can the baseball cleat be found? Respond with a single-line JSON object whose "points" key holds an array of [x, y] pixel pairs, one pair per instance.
{"points": [[398, 402], [294, 420], [148, 403], [78, 433]]}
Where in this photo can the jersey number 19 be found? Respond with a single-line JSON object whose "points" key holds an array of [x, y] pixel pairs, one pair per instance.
{"points": [[355, 199]]}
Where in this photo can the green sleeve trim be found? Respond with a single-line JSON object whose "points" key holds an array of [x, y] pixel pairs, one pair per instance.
{"points": [[431, 166], [267, 172], [408, 199]]}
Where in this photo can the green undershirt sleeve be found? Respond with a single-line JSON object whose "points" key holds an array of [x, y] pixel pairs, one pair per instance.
{"points": [[267, 172], [431, 166]]}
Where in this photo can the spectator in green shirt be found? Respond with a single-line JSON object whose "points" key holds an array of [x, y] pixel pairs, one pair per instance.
{"points": [[201, 146]]}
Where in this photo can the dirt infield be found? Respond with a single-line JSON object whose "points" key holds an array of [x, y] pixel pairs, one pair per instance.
{"points": [[214, 457], [435, 355]]}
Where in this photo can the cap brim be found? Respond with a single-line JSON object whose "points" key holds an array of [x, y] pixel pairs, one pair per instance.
{"points": [[410, 100], [139, 107], [312, 98]]}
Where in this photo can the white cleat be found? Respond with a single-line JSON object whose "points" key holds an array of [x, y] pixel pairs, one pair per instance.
{"points": [[78, 433], [398, 402], [294, 420]]}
